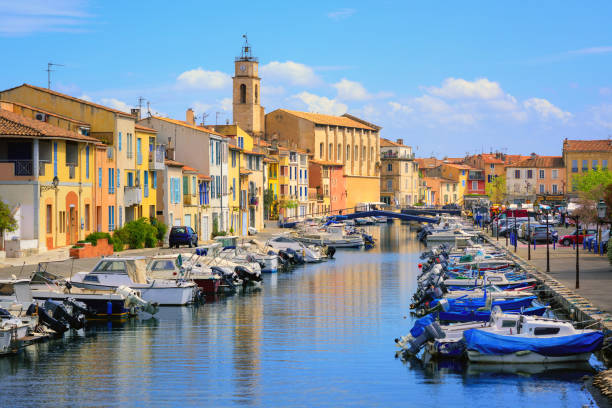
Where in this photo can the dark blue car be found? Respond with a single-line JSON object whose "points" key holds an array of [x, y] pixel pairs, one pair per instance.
{"points": [[183, 236]]}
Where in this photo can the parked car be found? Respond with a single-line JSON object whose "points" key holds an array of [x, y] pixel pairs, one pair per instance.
{"points": [[570, 239], [538, 233], [183, 236]]}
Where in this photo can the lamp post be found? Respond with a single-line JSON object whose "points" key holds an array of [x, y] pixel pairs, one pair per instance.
{"points": [[576, 218], [528, 237], [547, 239], [515, 231], [497, 230], [602, 210]]}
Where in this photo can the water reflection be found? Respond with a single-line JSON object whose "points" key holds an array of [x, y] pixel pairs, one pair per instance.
{"points": [[321, 335]]}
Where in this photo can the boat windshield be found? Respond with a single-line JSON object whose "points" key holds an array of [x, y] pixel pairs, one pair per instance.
{"points": [[162, 265], [110, 266]]}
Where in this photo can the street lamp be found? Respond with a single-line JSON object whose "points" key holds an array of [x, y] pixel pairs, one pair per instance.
{"points": [[576, 218], [602, 209]]}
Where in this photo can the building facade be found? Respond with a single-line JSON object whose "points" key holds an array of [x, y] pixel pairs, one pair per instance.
{"points": [[399, 174], [538, 178], [581, 156]]}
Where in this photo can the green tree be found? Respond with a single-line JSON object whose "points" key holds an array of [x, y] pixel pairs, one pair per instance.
{"points": [[592, 184], [7, 221], [496, 189]]}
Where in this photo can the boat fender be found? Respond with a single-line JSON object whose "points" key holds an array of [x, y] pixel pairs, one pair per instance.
{"points": [[109, 308]]}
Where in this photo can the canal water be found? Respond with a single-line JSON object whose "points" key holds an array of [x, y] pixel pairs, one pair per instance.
{"points": [[321, 335]]}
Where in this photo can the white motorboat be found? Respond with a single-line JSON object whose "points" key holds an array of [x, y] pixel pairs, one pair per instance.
{"points": [[242, 254], [110, 273], [334, 236], [519, 339], [285, 242], [13, 331], [490, 278]]}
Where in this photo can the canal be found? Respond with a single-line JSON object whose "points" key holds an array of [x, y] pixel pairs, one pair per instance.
{"points": [[321, 335]]}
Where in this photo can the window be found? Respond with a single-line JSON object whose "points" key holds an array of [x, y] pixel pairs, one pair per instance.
{"points": [[463, 172], [555, 174], [585, 165], [529, 174], [407, 167], [218, 183], [554, 189], [146, 183], [492, 166], [118, 178], [54, 159], [455, 186], [306, 175], [130, 179], [256, 94], [517, 174], [356, 155], [233, 189], [49, 219], [462, 183], [330, 152], [594, 165], [489, 178], [541, 188], [542, 173], [447, 187], [574, 166], [604, 164], [339, 152], [389, 185], [348, 152], [242, 93], [224, 186], [474, 185], [99, 176], [119, 139], [87, 217], [212, 152], [390, 167], [321, 150], [87, 162], [130, 147], [241, 142], [62, 222], [139, 151], [455, 198], [111, 217], [233, 158], [111, 181], [154, 181], [363, 153]]}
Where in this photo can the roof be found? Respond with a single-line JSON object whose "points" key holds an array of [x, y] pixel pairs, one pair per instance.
{"points": [[233, 147], [540, 162], [428, 162], [261, 142], [173, 163], [144, 128], [293, 149], [244, 171], [34, 108], [439, 180], [513, 158], [269, 160], [204, 177], [388, 143], [491, 159], [322, 119], [457, 160], [604, 145], [187, 125], [325, 162], [459, 166], [190, 169], [253, 152], [49, 91], [16, 125]]}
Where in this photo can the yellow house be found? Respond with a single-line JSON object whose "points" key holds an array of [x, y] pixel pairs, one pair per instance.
{"points": [[272, 181], [458, 173], [581, 156], [47, 176], [250, 183], [147, 178], [233, 169]]}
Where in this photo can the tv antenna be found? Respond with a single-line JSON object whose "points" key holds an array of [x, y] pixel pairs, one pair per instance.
{"points": [[204, 116], [49, 70]]}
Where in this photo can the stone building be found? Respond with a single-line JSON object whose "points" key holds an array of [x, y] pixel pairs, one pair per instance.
{"points": [[399, 174], [537, 178], [580, 156]]}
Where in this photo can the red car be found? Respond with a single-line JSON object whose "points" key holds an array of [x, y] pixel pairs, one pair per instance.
{"points": [[570, 239]]}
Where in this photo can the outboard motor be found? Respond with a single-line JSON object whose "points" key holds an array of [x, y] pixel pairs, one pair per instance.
{"points": [[331, 251], [284, 256], [296, 257], [55, 325], [424, 329], [78, 307], [247, 275], [59, 312]]}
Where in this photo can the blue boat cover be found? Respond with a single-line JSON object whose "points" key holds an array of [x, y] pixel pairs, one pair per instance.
{"points": [[420, 324], [497, 344]]}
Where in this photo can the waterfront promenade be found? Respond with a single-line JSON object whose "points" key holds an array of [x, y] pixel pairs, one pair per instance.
{"points": [[595, 270]]}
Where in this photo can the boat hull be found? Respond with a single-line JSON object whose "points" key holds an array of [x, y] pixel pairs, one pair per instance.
{"points": [[163, 296], [208, 285], [524, 357], [98, 304]]}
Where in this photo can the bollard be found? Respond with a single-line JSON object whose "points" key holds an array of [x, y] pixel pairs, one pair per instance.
{"points": [[554, 244], [534, 244]]}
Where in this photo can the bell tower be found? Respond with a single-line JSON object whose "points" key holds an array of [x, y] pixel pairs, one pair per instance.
{"points": [[247, 110]]}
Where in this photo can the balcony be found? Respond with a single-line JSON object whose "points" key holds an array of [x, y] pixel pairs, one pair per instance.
{"points": [[20, 167], [390, 154], [156, 158], [132, 196], [253, 200], [475, 175], [189, 199]]}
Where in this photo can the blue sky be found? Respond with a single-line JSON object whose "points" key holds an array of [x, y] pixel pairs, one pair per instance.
{"points": [[447, 77]]}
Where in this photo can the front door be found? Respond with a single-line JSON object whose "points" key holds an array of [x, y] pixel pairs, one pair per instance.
{"points": [[244, 223], [73, 226], [204, 236]]}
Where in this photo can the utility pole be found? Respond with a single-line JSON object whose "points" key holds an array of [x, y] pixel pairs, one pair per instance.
{"points": [[140, 101], [49, 70]]}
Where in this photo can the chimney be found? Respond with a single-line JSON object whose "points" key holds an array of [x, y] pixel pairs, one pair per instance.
{"points": [[136, 113], [189, 117], [400, 141]]}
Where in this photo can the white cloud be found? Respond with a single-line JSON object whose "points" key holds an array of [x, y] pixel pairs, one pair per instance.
{"points": [[601, 116], [322, 104], [201, 79], [289, 72], [26, 17], [592, 50], [341, 14], [546, 109], [398, 107], [351, 91], [430, 104], [200, 107], [86, 97], [226, 104], [116, 104], [457, 88]]}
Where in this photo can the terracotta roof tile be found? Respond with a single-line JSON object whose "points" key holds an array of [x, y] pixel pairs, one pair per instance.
{"points": [[540, 162], [204, 177], [185, 124], [49, 91], [604, 145], [244, 172], [144, 128], [190, 169], [459, 166], [174, 163], [388, 143], [322, 119], [15, 125]]}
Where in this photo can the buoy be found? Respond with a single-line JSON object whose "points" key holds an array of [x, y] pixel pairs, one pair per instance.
{"points": [[420, 266]]}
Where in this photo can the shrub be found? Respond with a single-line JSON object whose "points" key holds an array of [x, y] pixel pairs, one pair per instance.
{"points": [[136, 234], [120, 238], [162, 229], [218, 234], [95, 236]]}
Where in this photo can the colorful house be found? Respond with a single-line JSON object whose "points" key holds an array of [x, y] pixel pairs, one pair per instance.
{"points": [[48, 173]]}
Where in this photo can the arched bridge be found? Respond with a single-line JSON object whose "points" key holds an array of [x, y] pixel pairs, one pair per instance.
{"points": [[388, 214]]}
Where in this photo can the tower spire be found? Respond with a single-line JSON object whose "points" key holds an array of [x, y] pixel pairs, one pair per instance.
{"points": [[246, 51]]}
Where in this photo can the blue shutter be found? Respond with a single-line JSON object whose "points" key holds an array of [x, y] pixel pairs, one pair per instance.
{"points": [[118, 178], [110, 177], [87, 162], [119, 141], [146, 183], [154, 175], [54, 159], [233, 189], [100, 177]]}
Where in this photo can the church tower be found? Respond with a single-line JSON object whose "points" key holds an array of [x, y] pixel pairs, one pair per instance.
{"points": [[247, 111]]}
